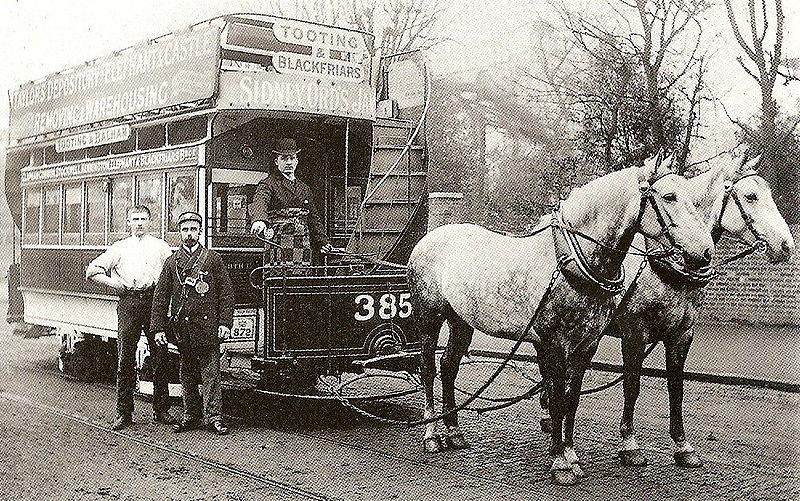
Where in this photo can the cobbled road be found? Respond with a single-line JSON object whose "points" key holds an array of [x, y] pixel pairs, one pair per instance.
{"points": [[56, 443]]}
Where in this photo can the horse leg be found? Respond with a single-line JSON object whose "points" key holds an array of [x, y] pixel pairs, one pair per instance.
{"points": [[675, 353], [545, 423], [561, 471], [572, 398], [429, 334], [457, 345], [632, 357]]}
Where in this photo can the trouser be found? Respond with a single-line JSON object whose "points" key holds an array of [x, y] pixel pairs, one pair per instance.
{"points": [[133, 313], [200, 366]]}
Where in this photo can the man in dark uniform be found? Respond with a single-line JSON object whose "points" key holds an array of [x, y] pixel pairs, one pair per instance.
{"points": [[195, 288], [282, 190]]}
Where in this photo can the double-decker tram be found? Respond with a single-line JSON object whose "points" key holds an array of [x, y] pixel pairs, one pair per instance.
{"points": [[187, 121]]}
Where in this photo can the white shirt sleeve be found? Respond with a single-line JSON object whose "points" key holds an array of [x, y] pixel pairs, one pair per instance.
{"points": [[108, 259]]}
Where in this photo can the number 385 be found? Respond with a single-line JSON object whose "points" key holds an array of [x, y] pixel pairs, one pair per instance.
{"points": [[387, 307]]}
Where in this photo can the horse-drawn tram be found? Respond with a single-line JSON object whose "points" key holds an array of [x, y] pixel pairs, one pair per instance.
{"points": [[187, 121]]}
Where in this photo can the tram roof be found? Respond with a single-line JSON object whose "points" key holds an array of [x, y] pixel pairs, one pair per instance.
{"points": [[180, 72]]}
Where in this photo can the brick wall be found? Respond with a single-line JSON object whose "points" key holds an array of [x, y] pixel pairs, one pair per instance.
{"points": [[753, 290]]}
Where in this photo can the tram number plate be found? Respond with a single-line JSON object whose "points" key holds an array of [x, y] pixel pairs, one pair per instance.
{"points": [[385, 306], [244, 327]]}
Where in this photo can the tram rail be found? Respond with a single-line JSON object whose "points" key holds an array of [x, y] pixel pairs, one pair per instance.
{"points": [[507, 444]]}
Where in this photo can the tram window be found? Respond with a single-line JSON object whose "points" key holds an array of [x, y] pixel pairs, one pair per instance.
{"points": [[75, 155], [33, 204], [182, 196], [52, 203], [124, 146], [95, 212], [51, 156], [149, 194], [72, 214], [152, 137], [121, 200], [187, 131], [98, 151], [232, 192]]}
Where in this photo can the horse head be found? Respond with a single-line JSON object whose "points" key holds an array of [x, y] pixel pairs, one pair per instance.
{"points": [[667, 213], [749, 212]]}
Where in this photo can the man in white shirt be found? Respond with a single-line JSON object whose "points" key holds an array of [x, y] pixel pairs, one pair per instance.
{"points": [[131, 267]]}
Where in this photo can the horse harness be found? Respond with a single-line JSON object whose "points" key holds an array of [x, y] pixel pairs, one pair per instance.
{"points": [[730, 192], [573, 263]]}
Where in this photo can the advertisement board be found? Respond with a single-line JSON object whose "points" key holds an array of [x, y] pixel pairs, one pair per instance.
{"points": [[178, 157], [274, 91], [175, 70]]}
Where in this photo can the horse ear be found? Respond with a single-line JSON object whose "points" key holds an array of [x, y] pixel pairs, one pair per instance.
{"points": [[751, 164], [649, 168], [663, 165]]}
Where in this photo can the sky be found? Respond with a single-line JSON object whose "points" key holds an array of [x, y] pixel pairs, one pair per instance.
{"points": [[41, 37]]}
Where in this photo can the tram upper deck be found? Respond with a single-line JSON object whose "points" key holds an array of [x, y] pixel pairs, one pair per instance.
{"points": [[186, 121]]}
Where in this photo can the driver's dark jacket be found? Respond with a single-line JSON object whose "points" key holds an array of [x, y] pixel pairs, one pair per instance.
{"points": [[277, 192], [191, 319]]}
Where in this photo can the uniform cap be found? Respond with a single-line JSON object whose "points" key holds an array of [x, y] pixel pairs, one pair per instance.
{"points": [[286, 146], [190, 216]]}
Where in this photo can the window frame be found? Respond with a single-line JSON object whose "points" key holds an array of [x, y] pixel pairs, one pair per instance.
{"points": [[48, 237], [67, 238], [25, 222]]}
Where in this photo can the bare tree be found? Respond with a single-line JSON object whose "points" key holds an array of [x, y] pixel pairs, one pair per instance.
{"points": [[762, 62], [653, 40]]}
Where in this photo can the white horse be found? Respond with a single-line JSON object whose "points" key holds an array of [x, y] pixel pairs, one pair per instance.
{"points": [[477, 279], [663, 307]]}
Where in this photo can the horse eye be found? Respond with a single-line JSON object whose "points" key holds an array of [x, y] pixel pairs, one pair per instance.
{"points": [[670, 197], [751, 197]]}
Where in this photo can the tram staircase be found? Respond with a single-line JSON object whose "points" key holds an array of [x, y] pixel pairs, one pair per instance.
{"points": [[393, 215]]}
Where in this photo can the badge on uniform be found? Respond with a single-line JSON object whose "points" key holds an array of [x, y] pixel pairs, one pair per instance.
{"points": [[200, 285]]}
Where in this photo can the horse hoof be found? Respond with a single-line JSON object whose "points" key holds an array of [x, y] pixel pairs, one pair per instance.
{"points": [[546, 424], [578, 471], [688, 459], [432, 445], [457, 441], [634, 457], [564, 477]]}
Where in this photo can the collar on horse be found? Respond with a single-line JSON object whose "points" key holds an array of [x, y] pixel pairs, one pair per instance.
{"points": [[574, 265]]}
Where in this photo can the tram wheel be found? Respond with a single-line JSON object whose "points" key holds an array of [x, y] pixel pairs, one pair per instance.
{"points": [[81, 356]]}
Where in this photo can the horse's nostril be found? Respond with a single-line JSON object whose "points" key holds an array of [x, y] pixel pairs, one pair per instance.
{"points": [[786, 248], [697, 261]]}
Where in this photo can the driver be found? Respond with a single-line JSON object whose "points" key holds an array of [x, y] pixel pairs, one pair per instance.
{"points": [[282, 190]]}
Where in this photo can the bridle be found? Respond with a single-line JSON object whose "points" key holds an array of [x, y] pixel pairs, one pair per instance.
{"points": [[731, 193], [573, 262], [648, 196]]}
